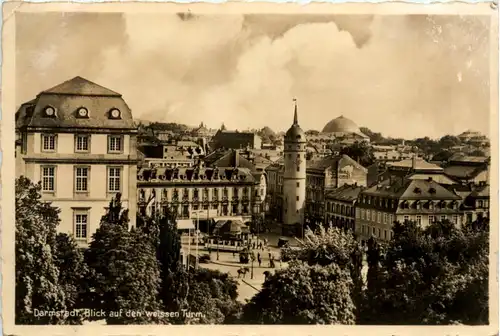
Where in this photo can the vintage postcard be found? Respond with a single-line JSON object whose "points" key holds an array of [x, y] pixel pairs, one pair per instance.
{"points": [[252, 166]]}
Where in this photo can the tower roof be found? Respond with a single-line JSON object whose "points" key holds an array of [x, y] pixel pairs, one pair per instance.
{"points": [[295, 133]]}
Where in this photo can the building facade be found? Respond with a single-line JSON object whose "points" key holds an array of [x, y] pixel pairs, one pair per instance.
{"points": [[79, 139], [328, 174], [221, 192], [396, 199], [341, 206], [294, 176]]}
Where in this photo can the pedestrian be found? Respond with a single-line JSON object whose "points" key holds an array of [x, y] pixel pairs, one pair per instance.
{"points": [[269, 255]]}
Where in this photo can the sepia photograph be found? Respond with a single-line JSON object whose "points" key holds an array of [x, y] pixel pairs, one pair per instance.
{"points": [[235, 166]]}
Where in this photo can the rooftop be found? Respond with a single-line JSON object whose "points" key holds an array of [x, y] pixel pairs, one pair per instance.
{"points": [[76, 103], [195, 174], [348, 193], [420, 164], [411, 189]]}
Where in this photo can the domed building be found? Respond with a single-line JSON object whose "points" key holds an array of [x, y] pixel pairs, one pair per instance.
{"points": [[345, 128]]}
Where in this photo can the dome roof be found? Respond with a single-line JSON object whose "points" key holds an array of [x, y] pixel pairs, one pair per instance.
{"points": [[341, 124], [295, 133]]}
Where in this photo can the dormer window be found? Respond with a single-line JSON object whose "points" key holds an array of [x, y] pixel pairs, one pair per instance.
{"points": [[50, 112], [82, 112], [115, 113]]}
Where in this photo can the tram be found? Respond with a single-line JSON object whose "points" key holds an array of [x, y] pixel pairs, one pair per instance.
{"points": [[225, 244]]}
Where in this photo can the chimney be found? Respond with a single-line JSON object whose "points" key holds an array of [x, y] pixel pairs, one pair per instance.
{"points": [[414, 162], [236, 159]]}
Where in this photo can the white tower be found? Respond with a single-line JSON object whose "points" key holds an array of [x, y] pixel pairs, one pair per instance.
{"points": [[294, 179]]}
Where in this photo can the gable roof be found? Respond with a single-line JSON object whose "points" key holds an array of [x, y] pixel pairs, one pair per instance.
{"points": [[330, 161], [411, 190], [464, 172], [81, 87], [420, 164], [229, 158]]}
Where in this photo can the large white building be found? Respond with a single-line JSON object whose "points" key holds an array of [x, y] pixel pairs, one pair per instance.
{"points": [[79, 139], [294, 178]]}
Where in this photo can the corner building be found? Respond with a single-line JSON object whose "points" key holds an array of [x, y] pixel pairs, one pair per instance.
{"points": [[294, 178], [79, 140]]}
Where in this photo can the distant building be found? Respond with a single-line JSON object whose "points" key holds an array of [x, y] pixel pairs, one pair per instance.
{"points": [[341, 206], [79, 139], [469, 169], [399, 199], [327, 174], [235, 140], [201, 132], [175, 154], [474, 138], [476, 204], [344, 129]]}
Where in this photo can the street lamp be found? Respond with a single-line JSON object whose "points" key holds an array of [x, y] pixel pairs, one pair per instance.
{"points": [[252, 258], [256, 211]]}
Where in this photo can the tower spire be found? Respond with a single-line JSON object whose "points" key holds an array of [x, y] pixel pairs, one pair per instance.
{"points": [[295, 118]]}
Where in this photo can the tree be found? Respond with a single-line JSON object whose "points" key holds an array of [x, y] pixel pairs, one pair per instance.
{"points": [[72, 272], [124, 270], [214, 294], [425, 276], [303, 294], [360, 152], [443, 155], [37, 275], [374, 137], [331, 246], [449, 141]]}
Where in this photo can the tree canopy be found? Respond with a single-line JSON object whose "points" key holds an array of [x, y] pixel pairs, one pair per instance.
{"points": [[303, 294], [428, 276], [124, 269], [361, 152], [37, 274]]}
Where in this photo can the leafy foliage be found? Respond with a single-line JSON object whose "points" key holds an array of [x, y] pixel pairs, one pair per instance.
{"points": [[303, 294], [124, 269], [213, 293], [72, 272], [361, 152], [37, 274], [327, 246], [426, 276]]}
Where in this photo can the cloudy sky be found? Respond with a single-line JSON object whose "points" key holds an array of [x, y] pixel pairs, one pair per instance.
{"points": [[404, 76]]}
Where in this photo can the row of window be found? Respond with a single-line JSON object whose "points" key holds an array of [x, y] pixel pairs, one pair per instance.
{"points": [[184, 211], [392, 203], [377, 232], [340, 209], [82, 178], [385, 218], [196, 193], [82, 143]]}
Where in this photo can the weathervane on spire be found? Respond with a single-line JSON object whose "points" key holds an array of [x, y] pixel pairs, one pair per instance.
{"points": [[295, 118]]}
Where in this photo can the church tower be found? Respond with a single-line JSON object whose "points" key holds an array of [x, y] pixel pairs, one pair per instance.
{"points": [[294, 179]]}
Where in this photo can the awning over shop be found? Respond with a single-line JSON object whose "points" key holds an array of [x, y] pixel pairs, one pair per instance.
{"points": [[229, 218], [231, 226], [185, 224]]}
